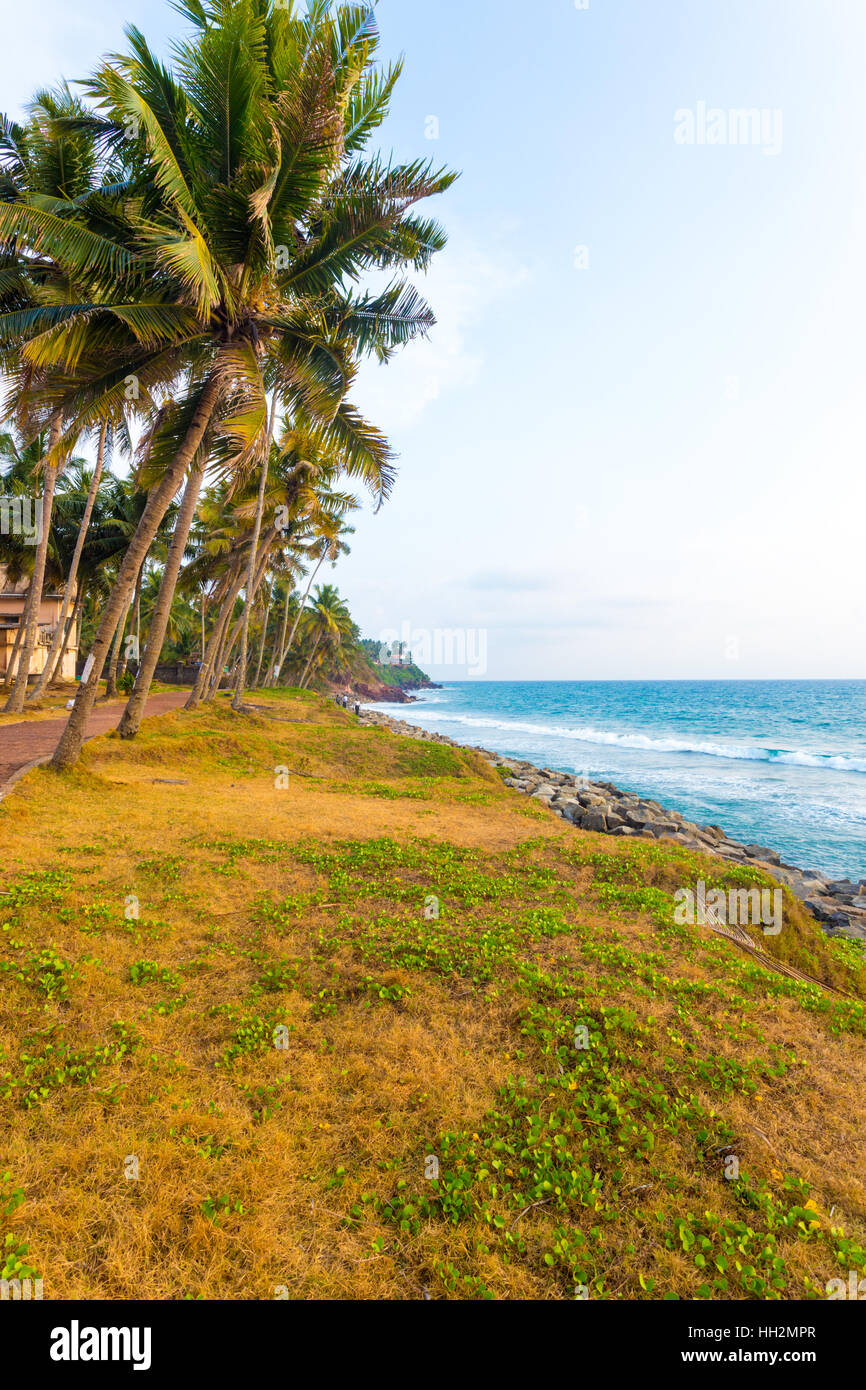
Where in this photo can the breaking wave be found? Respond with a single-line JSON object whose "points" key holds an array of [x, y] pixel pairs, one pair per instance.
{"points": [[737, 752]]}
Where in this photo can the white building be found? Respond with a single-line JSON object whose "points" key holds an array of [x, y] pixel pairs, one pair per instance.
{"points": [[12, 604]]}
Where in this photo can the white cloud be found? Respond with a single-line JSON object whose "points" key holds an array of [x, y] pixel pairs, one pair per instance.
{"points": [[464, 282]]}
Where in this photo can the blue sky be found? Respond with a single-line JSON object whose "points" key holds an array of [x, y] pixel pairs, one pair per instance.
{"points": [[634, 444]]}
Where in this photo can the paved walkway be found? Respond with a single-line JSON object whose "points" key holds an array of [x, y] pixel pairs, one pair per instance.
{"points": [[21, 743]]}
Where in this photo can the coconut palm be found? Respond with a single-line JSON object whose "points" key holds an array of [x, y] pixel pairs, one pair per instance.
{"points": [[42, 166], [182, 626], [223, 267], [18, 467], [327, 623], [106, 438], [308, 505]]}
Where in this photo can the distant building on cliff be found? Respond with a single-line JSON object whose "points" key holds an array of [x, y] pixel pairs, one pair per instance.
{"points": [[394, 655], [13, 600]]}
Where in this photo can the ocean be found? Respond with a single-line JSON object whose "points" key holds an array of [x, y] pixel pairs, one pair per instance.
{"points": [[777, 763]]}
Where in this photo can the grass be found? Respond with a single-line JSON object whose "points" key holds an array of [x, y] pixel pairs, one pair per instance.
{"points": [[377, 1026]]}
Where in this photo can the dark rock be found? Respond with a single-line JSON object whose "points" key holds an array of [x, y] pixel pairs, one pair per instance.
{"points": [[802, 890], [688, 840], [821, 908], [843, 888], [767, 856]]}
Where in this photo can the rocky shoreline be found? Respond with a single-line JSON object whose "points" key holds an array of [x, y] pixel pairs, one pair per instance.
{"points": [[391, 694], [837, 904]]}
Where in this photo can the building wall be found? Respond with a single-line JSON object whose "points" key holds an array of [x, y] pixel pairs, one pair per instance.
{"points": [[12, 605]]}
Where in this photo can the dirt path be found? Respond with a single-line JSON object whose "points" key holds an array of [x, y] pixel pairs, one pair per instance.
{"points": [[21, 743]]}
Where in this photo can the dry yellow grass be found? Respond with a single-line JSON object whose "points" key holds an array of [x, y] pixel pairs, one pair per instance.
{"points": [[305, 904]]}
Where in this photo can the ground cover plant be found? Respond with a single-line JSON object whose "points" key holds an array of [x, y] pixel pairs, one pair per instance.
{"points": [[290, 1006]]}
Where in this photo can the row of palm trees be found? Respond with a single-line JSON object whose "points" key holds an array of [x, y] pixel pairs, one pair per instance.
{"points": [[93, 519], [183, 257]]}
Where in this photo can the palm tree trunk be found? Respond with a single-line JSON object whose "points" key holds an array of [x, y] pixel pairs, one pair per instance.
{"points": [[70, 626], [68, 750], [257, 528], [52, 661], [215, 651], [309, 663], [16, 647], [114, 662], [234, 584], [264, 552], [226, 646], [134, 712], [288, 646], [51, 472], [229, 644], [264, 637], [138, 618], [278, 645], [135, 608]]}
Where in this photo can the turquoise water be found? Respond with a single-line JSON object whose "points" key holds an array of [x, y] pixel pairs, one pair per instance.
{"points": [[780, 763]]}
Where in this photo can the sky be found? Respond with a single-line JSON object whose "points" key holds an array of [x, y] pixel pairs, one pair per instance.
{"points": [[633, 445]]}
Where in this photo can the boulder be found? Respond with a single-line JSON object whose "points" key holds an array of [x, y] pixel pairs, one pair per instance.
{"points": [[822, 908], [545, 790], [843, 888], [594, 820], [591, 798], [804, 889], [766, 856], [688, 841]]}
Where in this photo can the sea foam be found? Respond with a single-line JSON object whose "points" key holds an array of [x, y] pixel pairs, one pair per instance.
{"points": [[795, 757]]}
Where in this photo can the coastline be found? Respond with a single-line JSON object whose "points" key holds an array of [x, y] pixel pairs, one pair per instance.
{"points": [[381, 694], [837, 905]]}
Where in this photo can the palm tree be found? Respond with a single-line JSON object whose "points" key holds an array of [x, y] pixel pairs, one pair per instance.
{"points": [[237, 702], [284, 585], [219, 269], [18, 464], [16, 468], [42, 166], [125, 504], [327, 623], [329, 546], [182, 626], [61, 633]]}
